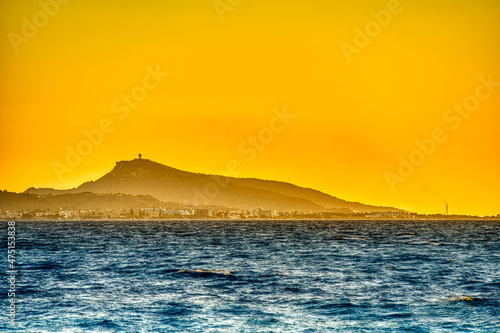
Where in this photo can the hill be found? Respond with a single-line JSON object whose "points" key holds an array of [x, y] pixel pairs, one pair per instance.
{"points": [[145, 177], [10, 201]]}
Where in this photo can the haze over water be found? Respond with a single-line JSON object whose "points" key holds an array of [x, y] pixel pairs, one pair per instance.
{"points": [[258, 276]]}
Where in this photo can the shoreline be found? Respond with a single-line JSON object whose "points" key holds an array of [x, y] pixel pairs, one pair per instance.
{"points": [[257, 219]]}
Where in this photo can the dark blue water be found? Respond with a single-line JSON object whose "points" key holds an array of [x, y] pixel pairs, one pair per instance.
{"points": [[256, 276]]}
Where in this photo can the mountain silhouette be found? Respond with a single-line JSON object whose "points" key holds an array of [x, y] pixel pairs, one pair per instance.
{"points": [[145, 177]]}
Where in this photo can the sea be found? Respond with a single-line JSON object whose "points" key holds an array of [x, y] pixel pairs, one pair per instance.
{"points": [[252, 276]]}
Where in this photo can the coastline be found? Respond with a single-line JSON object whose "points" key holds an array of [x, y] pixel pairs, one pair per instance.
{"points": [[472, 218]]}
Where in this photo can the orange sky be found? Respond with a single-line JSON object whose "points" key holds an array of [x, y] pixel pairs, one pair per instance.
{"points": [[355, 113]]}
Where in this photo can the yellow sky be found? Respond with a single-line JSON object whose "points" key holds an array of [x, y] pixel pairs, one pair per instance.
{"points": [[229, 67]]}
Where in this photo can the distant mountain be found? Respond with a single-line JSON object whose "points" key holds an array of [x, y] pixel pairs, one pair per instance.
{"points": [[145, 177], [74, 201]]}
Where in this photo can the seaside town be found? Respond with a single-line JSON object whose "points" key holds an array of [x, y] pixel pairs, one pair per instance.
{"points": [[208, 213]]}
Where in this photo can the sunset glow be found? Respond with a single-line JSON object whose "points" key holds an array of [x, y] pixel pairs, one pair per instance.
{"points": [[194, 85]]}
